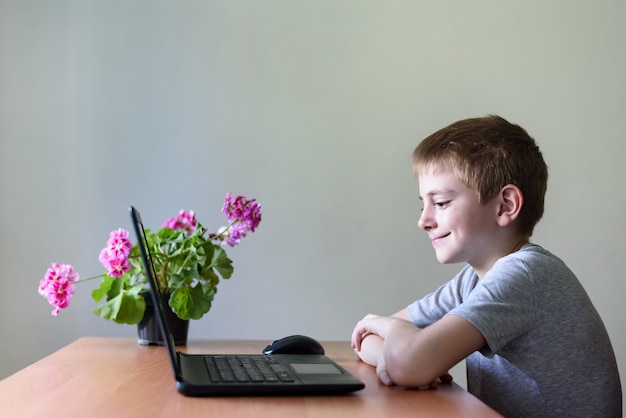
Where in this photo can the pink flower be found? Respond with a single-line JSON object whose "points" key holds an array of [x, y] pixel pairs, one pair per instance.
{"points": [[184, 220], [118, 243], [229, 235], [244, 214], [116, 266], [114, 257], [58, 286]]}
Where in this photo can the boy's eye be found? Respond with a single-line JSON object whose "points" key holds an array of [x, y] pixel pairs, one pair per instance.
{"points": [[442, 204]]}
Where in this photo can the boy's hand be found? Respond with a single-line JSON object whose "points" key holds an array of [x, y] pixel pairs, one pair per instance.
{"points": [[372, 324], [381, 326], [381, 372]]}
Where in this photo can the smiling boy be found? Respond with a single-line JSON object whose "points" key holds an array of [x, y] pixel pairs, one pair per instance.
{"points": [[533, 342]]}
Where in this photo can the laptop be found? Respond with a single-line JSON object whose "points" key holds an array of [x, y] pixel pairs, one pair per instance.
{"points": [[245, 374]]}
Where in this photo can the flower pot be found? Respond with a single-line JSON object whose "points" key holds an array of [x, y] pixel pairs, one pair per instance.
{"points": [[149, 329]]}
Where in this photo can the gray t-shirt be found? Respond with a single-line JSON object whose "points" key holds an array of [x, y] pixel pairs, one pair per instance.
{"points": [[547, 353]]}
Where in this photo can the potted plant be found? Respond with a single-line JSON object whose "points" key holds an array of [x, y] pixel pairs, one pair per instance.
{"points": [[189, 261]]}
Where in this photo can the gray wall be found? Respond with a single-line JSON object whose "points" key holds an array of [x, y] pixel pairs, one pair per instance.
{"points": [[313, 108]]}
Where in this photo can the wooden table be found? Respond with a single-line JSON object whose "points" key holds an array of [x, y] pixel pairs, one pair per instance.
{"points": [[116, 377]]}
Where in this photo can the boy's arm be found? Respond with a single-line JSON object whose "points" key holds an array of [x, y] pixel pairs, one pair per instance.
{"points": [[416, 357], [371, 348]]}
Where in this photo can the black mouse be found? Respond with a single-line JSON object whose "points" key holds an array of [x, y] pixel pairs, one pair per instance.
{"points": [[294, 344]]}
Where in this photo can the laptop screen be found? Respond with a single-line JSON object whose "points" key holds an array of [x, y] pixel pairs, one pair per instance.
{"points": [[155, 291]]}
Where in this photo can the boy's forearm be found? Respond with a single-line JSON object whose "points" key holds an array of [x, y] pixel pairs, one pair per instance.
{"points": [[371, 349]]}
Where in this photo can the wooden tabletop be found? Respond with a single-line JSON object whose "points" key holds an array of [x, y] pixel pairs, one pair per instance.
{"points": [[116, 377]]}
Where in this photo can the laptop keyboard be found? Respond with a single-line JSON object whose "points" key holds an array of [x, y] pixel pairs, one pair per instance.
{"points": [[256, 369]]}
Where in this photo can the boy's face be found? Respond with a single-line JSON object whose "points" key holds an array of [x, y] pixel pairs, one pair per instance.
{"points": [[460, 228]]}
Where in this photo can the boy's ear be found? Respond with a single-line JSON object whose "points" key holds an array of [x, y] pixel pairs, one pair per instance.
{"points": [[511, 200]]}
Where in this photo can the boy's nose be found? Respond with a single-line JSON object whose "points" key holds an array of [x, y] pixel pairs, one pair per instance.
{"points": [[425, 221]]}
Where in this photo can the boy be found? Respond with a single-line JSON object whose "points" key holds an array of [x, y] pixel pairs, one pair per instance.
{"points": [[533, 342]]}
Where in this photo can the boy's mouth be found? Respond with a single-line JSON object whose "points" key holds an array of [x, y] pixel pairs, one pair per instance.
{"points": [[437, 239]]}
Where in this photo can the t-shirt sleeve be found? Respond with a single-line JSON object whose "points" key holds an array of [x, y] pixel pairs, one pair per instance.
{"points": [[437, 304], [501, 306]]}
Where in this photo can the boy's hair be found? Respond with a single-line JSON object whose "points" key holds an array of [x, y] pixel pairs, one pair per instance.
{"points": [[487, 154]]}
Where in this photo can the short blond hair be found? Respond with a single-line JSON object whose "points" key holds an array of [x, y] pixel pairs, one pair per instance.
{"points": [[487, 154]]}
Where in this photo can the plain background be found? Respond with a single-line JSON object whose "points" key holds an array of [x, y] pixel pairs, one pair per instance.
{"points": [[313, 108]]}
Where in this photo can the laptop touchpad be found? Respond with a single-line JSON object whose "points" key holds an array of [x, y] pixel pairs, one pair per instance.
{"points": [[315, 368]]}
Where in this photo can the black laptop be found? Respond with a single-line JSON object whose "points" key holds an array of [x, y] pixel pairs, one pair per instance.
{"points": [[245, 374]]}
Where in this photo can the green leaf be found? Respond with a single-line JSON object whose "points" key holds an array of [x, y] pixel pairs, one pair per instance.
{"points": [[132, 309], [176, 280], [127, 307], [219, 260], [110, 287], [191, 302], [209, 276]]}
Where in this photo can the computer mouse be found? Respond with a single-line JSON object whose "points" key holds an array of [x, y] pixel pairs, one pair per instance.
{"points": [[294, 344]]}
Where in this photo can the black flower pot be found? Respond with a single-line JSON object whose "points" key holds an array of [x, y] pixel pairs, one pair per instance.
{"points": [[149, 330]]}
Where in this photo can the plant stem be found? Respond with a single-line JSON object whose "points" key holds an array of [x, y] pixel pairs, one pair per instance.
{"points": [[90, 278]]}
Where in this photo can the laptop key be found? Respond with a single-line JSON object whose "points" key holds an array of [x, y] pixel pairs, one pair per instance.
{"points": [[283, 374], [265, 370], [251, 370], [285, 377], [226, 374], [237, 370], [214, 374]]}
